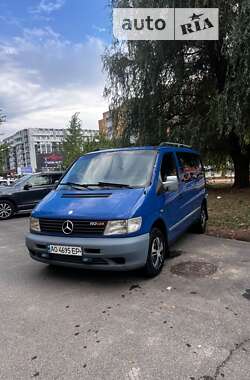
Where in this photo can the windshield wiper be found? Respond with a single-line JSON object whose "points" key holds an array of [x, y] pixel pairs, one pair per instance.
{"points": [[78, 185], [114, 184], [99, 184]]}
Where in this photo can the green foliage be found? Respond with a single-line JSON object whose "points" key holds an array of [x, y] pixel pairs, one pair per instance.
{"points": [[75, 144], [234, 104], [2, 117], [72, 146], [101, 143], [180, 87], [194, 92]]}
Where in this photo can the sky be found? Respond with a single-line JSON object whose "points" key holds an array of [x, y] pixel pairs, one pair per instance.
{"points": [[50, 62]]}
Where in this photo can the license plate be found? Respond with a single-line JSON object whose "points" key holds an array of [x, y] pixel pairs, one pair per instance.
{"points": [[65, 250]]}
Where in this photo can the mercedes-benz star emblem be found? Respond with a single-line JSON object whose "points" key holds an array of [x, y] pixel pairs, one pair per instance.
{"points": [[67, 227]]}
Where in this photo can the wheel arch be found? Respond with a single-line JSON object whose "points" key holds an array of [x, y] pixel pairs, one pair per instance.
{"points": [[159, 223], [9, 200]]}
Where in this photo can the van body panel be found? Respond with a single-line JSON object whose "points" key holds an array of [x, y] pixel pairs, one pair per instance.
{"points": [[112, 204]]}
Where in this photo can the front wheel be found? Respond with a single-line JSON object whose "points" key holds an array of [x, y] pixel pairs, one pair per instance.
{"points": [[6, 210], [156, 253]]}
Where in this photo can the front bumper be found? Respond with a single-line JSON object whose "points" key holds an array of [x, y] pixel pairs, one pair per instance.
{"points": [[99, 253]]}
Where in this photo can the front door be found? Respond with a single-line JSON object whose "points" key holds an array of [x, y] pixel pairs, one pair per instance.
{"points": [[35, 189], [192, 185], [171, 209]]}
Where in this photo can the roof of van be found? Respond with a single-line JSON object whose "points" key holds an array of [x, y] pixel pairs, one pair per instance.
{"points": [[166, 148]]}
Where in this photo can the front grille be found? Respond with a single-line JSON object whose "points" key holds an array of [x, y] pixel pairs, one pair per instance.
{"points": [[80, 227]]}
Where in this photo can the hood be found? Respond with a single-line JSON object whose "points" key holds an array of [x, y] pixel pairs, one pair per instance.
{"points": [[90, 205], [6, 190]]}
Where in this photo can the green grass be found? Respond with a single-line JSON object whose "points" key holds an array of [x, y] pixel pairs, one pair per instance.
{"points": [[229, 211]]}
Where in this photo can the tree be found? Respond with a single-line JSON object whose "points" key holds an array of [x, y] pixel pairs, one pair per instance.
{"points": [[72, 146], [101, 143], [195, 92], [75, 145], [2, 117], [234, 101]]}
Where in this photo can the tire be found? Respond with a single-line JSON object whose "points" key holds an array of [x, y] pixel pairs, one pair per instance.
{"points": [[156, 253], [7, 209], [200, 227]]}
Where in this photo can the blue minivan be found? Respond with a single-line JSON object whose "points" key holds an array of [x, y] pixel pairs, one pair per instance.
{"points": [[121, 209]]}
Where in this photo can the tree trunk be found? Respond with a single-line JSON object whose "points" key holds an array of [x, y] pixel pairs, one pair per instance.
{"points": [[242, 170]]}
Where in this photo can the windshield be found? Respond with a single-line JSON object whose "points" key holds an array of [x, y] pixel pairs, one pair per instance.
{"points": [[21, 180], [128, 168]]}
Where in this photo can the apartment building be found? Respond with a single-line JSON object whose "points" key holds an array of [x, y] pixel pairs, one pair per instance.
{"points": [[106, 125], [113, 127], [37, 149]]}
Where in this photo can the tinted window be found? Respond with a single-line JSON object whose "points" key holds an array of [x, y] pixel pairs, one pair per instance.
{"points": [[39, 180], [168, 167], [22, 180], [55, 177], [190, 166]]}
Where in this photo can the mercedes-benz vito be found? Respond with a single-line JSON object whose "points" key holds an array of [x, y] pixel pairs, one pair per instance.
{"points": [[120, 209]]}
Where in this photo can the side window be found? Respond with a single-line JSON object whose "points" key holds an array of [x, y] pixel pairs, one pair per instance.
{"points": [[190, 166], [168, 167], [54, 178], [39, 180]]}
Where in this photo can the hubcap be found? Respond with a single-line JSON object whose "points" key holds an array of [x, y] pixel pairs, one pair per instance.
{"points": [[157, 252], [5, 210]]}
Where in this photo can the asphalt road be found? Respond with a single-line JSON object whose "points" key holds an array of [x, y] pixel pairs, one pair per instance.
{"points": [[70, 324]]}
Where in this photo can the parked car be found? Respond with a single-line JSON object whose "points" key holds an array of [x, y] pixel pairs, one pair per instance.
{"points": [[25, 193], [121, 209], [3, 182], [6, 182]]}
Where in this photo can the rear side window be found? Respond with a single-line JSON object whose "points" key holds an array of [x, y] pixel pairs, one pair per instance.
{"points": [[190, 166], [168, 167]]}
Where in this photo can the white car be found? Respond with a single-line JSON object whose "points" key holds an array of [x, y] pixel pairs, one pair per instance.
{"points": [[6, 182], [3, 182]]}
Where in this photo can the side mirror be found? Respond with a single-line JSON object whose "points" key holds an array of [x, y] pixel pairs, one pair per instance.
{"points": [[27, 186], [172, 184], [55, 184]]}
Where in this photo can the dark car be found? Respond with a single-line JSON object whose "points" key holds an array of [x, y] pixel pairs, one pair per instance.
{"points": [[25, 193]]}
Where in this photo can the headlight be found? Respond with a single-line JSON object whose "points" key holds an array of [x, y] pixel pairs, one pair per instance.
{"points": [[121, 227], [34, 225]]}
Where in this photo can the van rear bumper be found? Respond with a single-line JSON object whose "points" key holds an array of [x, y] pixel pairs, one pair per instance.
{"points": [[99, 253]]}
